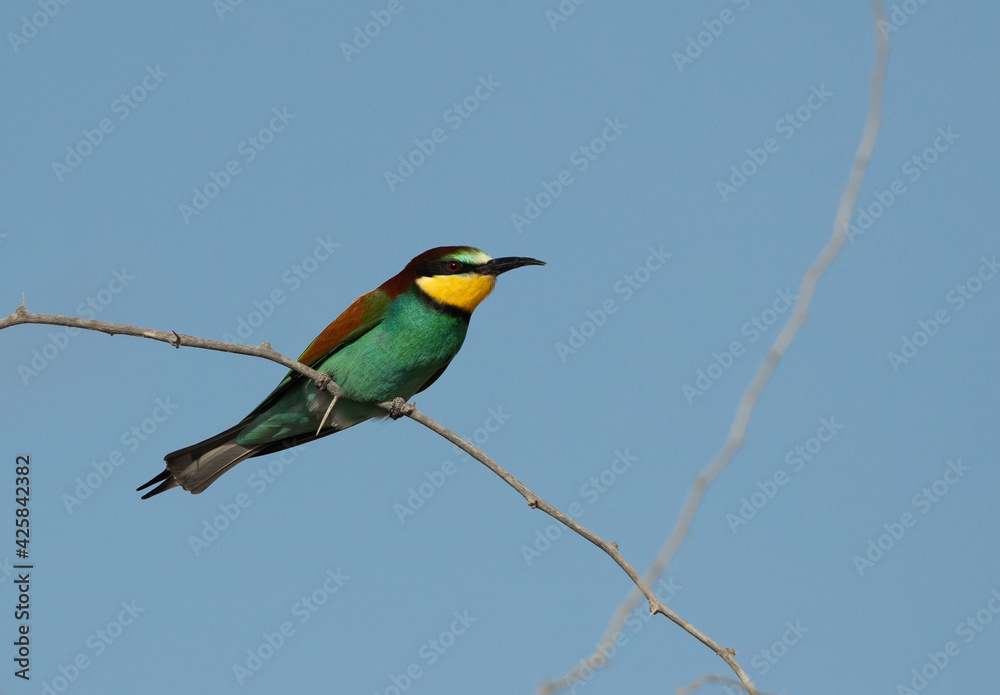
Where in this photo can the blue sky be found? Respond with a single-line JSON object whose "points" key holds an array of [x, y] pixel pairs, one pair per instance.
{"points": [[245, 171]]}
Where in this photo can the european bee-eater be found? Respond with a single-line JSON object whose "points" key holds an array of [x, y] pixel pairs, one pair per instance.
{"points": [[394, 341]]}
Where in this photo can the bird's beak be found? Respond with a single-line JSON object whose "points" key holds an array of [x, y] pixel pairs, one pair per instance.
{"points": [[495, 266]]}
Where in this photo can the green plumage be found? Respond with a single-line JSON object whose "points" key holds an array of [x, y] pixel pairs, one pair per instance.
{"points": [[411, 344], [390, 343]]}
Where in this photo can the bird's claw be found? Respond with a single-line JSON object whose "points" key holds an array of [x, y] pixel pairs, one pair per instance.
{"points": [[399, 408], [323, 381]]}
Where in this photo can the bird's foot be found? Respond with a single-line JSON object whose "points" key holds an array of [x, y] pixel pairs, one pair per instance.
{"points": [[399, 408], [323, 381]]}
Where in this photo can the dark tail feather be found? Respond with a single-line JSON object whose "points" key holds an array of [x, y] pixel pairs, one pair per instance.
{"points": [[164, 476], [196, 467]]}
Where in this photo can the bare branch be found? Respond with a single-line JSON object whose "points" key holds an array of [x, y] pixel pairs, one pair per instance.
{"points": [[535, 502], [395, 409], [744, 410], [178, 340]]}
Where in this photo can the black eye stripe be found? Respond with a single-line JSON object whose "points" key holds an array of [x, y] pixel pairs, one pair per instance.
{"points": [[443, 267]]}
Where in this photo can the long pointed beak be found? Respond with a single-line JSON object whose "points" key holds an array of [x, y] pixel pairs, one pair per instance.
{"points": [[496, 266]]}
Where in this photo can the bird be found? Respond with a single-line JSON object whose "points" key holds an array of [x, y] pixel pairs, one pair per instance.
{"points": [[392, 342]]}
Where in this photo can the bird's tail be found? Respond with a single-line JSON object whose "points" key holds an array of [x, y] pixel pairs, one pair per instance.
{"points": [[196, 467]]}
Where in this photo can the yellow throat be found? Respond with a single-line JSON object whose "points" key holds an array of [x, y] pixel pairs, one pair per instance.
{"points": [[464, 291]]}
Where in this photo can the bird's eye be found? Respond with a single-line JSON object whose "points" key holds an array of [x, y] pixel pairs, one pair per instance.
{"points": [[454, 266]]}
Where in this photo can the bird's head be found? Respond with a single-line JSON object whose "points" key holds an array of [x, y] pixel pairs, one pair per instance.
{"points": [[459, 276]]}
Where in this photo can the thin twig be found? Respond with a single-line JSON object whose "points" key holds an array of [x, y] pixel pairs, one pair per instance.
{"points": [[737, 432], [327, 414], [178, 340], [395, 408], [535, 502]]}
